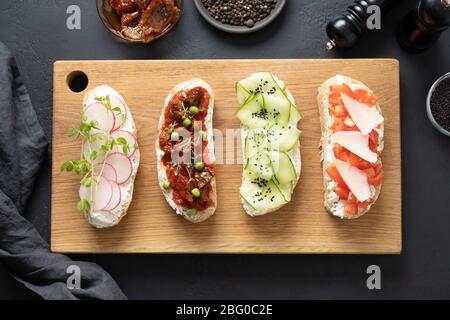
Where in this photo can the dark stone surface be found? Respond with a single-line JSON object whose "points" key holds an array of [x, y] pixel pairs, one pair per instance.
{"points": [[36, 32]]}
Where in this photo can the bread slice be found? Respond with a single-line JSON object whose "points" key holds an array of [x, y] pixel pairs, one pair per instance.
{"points": [[332, 202], [106, 219], [200, 216], [294, 154]]}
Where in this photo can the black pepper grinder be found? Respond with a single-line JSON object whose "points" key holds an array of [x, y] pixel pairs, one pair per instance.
{"points": [[345, 31], [423, 26]]}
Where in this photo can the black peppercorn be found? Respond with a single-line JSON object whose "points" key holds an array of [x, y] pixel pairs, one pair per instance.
{"points": [[239, 12]]}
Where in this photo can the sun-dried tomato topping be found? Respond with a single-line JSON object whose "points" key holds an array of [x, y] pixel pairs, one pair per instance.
{"points": [[145, 19], [190, 148]]}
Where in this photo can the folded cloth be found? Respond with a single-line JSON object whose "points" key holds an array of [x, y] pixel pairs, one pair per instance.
{"points": [[23, 251]]}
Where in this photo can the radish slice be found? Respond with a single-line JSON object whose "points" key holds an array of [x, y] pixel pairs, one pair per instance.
{"points": [[129, 137], [107, 171], [123, 166], [105, 118], [120, 115], [102, 193], [116, 197], [85, 193], [99, 139]]}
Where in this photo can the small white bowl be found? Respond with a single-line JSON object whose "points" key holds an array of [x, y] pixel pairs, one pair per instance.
{"points": [[429, 113]]}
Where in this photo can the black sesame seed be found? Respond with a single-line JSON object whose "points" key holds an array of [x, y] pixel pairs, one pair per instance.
{"points": [[440, 104]]}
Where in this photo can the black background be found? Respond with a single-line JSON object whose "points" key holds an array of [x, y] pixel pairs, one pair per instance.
{"points": [[36, 32]]}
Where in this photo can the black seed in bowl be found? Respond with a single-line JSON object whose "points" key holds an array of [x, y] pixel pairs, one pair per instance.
{"points": [[440, 103], [239, 12]]}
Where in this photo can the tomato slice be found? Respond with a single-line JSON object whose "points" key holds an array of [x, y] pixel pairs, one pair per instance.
{"points": [[364, 164], [352, 205], [344, 156], [354, 160], [343, 88], [339, 125], [373, 140], [370, 172], [351, 208], [347, 91], [332, 109], [335, 175], [342, 192], [365, 97], [341, 153], [374, 136], [333, 172], [376, 180], [338, 150], [337, 122], [364, 204], [335, 99], [352, 198], [373, 146], [378, 167], [335, 88], [371, 101], [361, 95], [342, 127], [340, 111]]}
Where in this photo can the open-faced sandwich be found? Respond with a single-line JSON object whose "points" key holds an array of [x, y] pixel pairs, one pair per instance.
{"points": [[109, 157], [270, 140], [352, 142], [185, 151]]}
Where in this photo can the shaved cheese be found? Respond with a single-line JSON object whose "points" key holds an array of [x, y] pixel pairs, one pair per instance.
{"points": [[356, 142], [365, 117], [355, 179]]}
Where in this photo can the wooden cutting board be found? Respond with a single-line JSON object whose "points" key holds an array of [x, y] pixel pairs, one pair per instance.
{"points": [[151, 226]]}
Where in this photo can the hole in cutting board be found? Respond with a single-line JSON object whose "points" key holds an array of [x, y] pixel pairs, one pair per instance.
{"points": [[77, 81]]}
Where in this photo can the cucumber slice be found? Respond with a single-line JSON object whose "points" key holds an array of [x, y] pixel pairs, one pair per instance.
{"points": [[286, 190], [283, 168], [283, 138], [262, 82], [278, 108], [295, 115], [277, 138], [251, 144], [242, 94], [256, 141], [261, 166], [252, 114], [265, 83], [260, 194], [261, 110]]}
